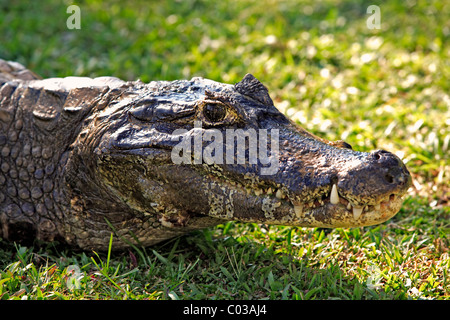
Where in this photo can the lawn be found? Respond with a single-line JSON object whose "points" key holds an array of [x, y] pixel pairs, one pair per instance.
{"points": [[383, 88]]}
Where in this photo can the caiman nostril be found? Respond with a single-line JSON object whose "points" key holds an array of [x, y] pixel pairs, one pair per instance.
{"points": [[380, 155], [389, 178]]}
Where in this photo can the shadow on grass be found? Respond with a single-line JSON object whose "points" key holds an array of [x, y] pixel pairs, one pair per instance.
{"points": [[204, 265], [227, 268]]}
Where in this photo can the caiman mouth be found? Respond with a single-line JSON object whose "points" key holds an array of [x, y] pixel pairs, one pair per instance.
{"points": [[327, 209], [344, 213]]}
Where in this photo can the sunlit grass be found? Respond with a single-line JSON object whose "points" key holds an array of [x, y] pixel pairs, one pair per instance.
{"points": [[326, 70]]}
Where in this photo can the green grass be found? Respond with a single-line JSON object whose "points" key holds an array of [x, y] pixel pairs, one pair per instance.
{"points": [[325, 69]]}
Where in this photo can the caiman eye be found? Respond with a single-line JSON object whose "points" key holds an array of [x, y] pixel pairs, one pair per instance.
{"points": [[214, 112]]}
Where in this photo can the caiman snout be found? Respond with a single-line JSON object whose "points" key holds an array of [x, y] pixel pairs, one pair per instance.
{"points": [[375, 178], [367, 189], [391, 167]]}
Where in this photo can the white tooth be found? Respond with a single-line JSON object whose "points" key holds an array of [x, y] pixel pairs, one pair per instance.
{"points": [[357, 212], [298, 210], [269, 191], [334, 197], [258, 192], [349, 206], [377, 207], [279, 194]]}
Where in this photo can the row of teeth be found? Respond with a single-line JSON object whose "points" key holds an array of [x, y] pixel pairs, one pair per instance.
{"points": [[334, 199], [279, 194]]}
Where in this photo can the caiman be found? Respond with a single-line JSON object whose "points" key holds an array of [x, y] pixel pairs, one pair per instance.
{"points": [[83, 157]]}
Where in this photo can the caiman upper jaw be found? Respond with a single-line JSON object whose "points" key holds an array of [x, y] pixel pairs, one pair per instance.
{"points": [[367, 190]]}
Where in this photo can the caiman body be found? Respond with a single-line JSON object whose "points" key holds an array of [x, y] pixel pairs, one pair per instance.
{"points": [[82, 157]]}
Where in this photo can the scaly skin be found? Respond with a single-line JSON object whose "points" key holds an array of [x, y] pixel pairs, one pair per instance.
{"points": [[83, 157]]}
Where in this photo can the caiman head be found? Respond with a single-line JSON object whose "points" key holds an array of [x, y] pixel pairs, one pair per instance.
{"points": [[201, 148]]}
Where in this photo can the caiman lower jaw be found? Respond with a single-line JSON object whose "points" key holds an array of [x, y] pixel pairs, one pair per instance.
{"points": [[338, 212]]}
